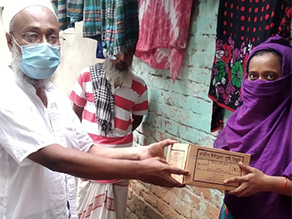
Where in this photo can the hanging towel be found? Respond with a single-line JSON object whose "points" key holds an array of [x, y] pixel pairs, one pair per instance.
{"points": [[62, 14], [69, 12], [116, 21], [92, 18], [75, 10], [164, 30]]}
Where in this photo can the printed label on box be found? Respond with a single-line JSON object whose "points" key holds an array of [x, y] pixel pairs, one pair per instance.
{"points": [[215, 167], [209, 167]]}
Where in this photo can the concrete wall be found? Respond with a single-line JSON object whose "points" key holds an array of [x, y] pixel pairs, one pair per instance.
{"points": [[182, 109], [76, 53]]}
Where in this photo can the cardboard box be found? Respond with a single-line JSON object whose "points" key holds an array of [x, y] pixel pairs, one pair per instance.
{"points": [[209, 167]]}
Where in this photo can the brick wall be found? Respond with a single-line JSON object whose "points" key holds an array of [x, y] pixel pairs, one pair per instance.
{"points": [[149, 201], [180, 111]]}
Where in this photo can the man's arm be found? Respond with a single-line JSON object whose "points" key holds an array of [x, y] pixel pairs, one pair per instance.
{"points": [[132, 153], [153, 170], [77, 163], [78, 110]]}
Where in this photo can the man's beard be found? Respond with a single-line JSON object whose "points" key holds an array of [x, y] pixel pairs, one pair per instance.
{"points": [[16, 60], [115, 76]]}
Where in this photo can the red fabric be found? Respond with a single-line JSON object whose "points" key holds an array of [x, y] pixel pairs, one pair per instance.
{"points": [[164, 30]]}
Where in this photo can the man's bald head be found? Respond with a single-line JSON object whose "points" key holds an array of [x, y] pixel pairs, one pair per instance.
{"points": [[32, 25], [13, 7], [33, 17], [30, 21]]}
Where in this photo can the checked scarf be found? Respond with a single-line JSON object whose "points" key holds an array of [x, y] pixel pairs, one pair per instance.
{"points": [[103, 98]]}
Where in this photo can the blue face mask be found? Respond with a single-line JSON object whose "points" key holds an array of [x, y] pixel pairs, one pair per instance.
{"points": [[39, 61]]}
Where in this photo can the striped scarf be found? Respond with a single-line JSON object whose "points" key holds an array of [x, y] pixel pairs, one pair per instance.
{"points": [[103, 98]]}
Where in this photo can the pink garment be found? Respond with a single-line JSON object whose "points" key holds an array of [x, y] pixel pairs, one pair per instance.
{"points": [[163, 35]]}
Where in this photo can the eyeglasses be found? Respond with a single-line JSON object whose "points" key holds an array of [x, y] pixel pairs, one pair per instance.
{"points": [[34, 37]]}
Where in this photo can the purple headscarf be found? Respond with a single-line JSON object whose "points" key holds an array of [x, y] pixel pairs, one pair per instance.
{"points": [[262, 127]]}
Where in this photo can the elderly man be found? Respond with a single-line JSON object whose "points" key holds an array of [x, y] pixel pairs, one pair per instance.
{"points": [[110, 101], [41, 138]]}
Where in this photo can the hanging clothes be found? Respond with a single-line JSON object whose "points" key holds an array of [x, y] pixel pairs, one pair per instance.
{"points": [[62, 14], [164, 31], [69, 12], [241, 26], [115, 20], [92, 18]]}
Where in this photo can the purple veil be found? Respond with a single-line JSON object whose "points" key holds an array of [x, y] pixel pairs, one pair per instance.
{"points": [[262, 127]]}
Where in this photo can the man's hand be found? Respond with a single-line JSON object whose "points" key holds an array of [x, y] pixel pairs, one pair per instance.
{"points": [[153, 170], [158, 172], [153, 167], [155, 149]]}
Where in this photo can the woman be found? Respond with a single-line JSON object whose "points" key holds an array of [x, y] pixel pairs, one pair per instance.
{"points": [[262, 127]]}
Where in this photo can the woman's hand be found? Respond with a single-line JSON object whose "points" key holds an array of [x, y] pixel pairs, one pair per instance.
{"points": [[253, 182]]}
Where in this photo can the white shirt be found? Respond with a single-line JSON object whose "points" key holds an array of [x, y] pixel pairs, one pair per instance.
{"points": [[27, 189]]}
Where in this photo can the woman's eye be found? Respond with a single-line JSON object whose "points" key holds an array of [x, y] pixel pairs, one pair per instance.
{"points": [[271, 77], [253, 76]]}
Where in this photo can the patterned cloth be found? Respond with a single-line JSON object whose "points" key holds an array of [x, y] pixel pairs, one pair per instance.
{"points": [[103, 98], [241, 26], [224, 213], [116, 21], [92, 22], [101, 201], [62, 14], [69, 12], [164, 31], [75, 10]]}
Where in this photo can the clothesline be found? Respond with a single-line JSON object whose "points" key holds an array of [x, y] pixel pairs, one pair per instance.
{"points": [[113, 22]]}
